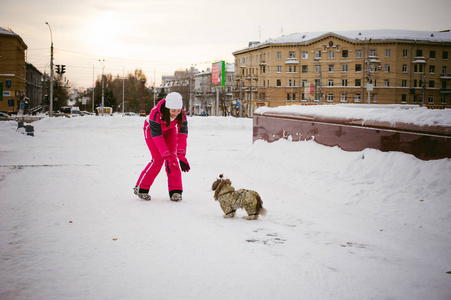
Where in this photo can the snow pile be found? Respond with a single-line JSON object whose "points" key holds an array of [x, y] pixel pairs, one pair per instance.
{"points": [[383, 113], [340, 225]]}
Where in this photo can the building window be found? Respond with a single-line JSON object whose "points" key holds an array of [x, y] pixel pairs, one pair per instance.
{"points": [[387, 52], [404, 83], [331, 54], [405, 53], [331, 82], [404, 68], [344, 54], [317, 54], [304, 54], [289, 82], [445, 55], [387, 68], [431, 83], [443, 100], [444, 71], [358, 54], [288, 97], [304, 69], [344, 82], [358, 68], [344, 97], [279, 69], [432, 54], [403, 98], [387, 82], [373, 52], [317, 69], [432, 69], [419, 53], [279, 82], [330, 97], [358, 82], [331, 68], [279, 55], [304, 82], [357, 98], [344, 68], [431, 99], [292, 54]]}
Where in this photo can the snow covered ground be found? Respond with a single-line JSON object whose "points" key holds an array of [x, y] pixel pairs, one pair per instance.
{"points": [[340, 225]]}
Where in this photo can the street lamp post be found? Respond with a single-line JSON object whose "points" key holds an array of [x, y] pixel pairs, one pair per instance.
{"points": [[51, 72], [103, 86], [142, 112]]}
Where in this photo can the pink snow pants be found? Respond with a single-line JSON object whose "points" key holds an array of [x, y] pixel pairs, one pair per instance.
{"points": [[151, 171]]}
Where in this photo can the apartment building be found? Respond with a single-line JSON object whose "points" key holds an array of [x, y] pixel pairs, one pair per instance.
{"points": [[367, 66], [12, 71]]}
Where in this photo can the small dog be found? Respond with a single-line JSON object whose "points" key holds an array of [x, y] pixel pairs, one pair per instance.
{"points": [[230, 200]]}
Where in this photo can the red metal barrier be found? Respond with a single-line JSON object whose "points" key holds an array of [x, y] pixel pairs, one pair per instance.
{"points": [[424, 142]]}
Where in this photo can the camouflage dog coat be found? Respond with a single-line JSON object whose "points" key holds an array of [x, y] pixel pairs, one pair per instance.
{"points": [[230, 200]]}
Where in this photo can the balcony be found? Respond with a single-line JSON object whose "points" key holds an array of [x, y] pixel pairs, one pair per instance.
{"points": [[419, 60], [445, 77], [292, 60]]}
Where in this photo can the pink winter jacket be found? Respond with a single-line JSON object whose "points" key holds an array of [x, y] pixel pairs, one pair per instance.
{"points": [[160, 130]]}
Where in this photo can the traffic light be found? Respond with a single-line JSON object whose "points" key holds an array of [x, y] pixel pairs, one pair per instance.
{"points": [[58, 71], [63, 69]]}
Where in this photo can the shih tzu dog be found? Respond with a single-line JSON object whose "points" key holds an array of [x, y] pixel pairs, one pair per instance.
{"points": [[230, 200]]}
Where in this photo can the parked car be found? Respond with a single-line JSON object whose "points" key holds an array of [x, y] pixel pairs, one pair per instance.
{"points": [[130, 114], [4, 117]]}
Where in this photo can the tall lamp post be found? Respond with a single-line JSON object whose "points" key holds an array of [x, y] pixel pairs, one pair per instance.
{"points": [[51, 72], [103, 85], [142, 112]]}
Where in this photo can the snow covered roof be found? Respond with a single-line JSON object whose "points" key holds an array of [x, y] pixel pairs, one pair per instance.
{"points": [[378, 34], [6, 31]]}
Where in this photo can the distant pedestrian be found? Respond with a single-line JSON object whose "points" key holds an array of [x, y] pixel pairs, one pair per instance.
{"points": [[165, 132]]}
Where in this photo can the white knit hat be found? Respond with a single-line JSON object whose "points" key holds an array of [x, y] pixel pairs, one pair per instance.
{"points": [[174, 101]]}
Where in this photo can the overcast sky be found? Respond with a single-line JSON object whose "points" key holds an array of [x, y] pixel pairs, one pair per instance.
{"points": [[167, 35]]}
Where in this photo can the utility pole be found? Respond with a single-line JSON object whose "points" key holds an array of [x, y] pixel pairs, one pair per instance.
{"points": [[103, 86], [51, 72], [93, 88], [123, 89]]}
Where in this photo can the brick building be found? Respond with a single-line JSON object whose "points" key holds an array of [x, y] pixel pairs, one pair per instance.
{"points": [[12, 71], [367, 66]]}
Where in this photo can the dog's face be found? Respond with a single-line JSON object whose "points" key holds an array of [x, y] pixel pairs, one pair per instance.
{"points": [[215, 184], [218, 181], [218, 184]]}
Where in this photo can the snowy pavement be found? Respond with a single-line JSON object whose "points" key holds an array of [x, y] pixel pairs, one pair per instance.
{"points": [[340, 225]]}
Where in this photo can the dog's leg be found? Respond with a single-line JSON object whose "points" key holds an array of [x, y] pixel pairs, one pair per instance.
{"points": [[251, 217], [229, 215]]}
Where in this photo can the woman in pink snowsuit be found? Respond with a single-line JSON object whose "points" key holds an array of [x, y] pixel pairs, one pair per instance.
{"points": [[165, 132]]}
